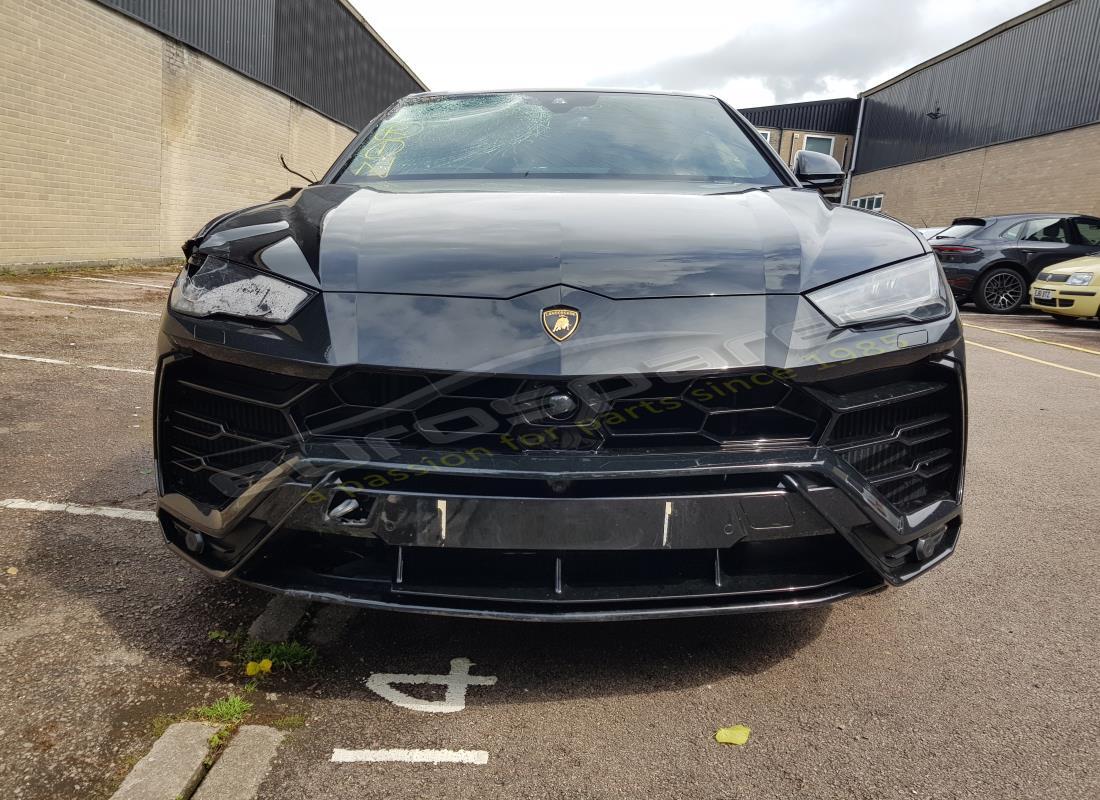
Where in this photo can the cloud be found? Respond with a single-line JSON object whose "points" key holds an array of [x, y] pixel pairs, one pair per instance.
{"points": [[841, 42]]}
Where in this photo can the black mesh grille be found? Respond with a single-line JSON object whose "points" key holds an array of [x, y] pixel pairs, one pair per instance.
{"points": [[223, 426], [903, 435], [504, 414]]}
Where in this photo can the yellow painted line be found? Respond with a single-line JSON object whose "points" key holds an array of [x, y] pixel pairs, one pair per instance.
{"points": [[1033, 339], [1036, 360]]}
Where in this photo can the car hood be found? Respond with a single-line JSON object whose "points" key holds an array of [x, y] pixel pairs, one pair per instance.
{"points": [[1083, 264], [502, 244]]}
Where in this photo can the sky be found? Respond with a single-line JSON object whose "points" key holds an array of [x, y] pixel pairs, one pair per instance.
{"points": [[747, 52]]}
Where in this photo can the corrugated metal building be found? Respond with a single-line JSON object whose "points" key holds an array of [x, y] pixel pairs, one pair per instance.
{"points": [[1006, 122], [827, 126], [320, 52], [128, 123], [828, 116]]}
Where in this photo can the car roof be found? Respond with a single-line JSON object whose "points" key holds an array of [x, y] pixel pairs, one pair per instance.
{"points": [[1001, 217]]}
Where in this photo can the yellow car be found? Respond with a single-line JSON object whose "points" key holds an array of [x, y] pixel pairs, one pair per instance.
{"points": [[1070, 290]]}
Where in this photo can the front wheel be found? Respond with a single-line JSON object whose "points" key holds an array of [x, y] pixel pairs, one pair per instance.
{"points": [[1001, 291]]}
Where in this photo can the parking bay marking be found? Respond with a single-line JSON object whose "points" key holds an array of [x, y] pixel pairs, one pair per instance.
{"points": [[17, 504], [78, 305], [1033, 330], [478, 757], [124, 283], [1029, 358], [1033, 339], [979, 315], [57, 362]]}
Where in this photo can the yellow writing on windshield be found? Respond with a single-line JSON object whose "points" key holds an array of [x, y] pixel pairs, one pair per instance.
{"points": [[378, 157]]}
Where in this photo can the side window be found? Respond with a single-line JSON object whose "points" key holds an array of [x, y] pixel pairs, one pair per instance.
{"points": [[1089, 229], [1044, 230], [1013, 231]]}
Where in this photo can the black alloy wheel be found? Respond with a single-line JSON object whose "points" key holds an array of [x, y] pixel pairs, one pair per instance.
{"points": [[1001, 291]]}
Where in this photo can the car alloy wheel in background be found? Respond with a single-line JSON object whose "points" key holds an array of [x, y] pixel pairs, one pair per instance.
{"points": [[1002, 291]]}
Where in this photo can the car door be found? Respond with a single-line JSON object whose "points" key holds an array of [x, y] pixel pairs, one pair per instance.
{"points": [[1044, 242], [1087, 235]]}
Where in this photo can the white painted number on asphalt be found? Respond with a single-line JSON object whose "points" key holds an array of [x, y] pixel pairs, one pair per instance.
{"points": [[384, 685]]}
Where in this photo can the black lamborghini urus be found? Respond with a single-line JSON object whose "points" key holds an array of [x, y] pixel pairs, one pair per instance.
{"points": [[562, 355]]}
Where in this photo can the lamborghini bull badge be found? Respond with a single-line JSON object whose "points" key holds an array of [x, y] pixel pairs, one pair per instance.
{"points": [[560, 322]]}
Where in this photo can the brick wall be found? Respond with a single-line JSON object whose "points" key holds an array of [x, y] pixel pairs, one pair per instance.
{"points": [[117, 143], [1058, 172], [787, 143]]}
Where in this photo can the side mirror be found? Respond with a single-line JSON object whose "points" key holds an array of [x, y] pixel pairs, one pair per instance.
{"points": [[817, 170]]}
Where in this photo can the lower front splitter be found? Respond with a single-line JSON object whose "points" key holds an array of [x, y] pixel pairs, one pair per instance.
{"points": [[570, 584]]}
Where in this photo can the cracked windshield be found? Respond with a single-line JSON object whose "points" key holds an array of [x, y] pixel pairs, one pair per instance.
{"points": [[560, 135]]}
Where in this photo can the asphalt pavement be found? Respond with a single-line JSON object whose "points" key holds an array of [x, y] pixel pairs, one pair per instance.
{"points": [[978, 680]]}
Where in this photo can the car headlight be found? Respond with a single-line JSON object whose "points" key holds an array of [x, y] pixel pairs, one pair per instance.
{"points": [[222, 287], [1080, 279], [914, 291]]}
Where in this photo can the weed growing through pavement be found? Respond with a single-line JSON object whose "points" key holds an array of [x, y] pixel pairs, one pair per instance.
{"points": [[227, 711], [291, 722], [282, 655], [257, 660], [160, 724]]}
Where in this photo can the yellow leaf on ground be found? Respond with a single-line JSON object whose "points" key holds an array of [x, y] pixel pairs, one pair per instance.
{"points": [[738, 734], [251, 669], [265, 665], [12, 570]]}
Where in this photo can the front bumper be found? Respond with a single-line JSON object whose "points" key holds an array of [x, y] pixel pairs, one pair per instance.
{"points": [[821, 490], [1068, 301]]}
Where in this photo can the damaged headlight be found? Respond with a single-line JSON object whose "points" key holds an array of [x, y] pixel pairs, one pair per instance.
{"points": [[914, 290], [222, 287]]}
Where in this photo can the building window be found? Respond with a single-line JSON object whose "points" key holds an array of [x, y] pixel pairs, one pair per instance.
{"points": [[872, 202], [767, 135], [819, 144]]}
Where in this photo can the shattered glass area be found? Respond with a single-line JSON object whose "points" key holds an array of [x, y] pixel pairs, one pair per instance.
{"points": [[562, 134], [452, 135], [219, 287]]}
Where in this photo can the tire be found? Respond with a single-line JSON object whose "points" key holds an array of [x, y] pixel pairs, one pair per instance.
{"points": [[1002, 290]]}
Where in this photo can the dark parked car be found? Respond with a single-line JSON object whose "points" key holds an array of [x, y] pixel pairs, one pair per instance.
{"points": [[563, 356], [993, 260]]}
